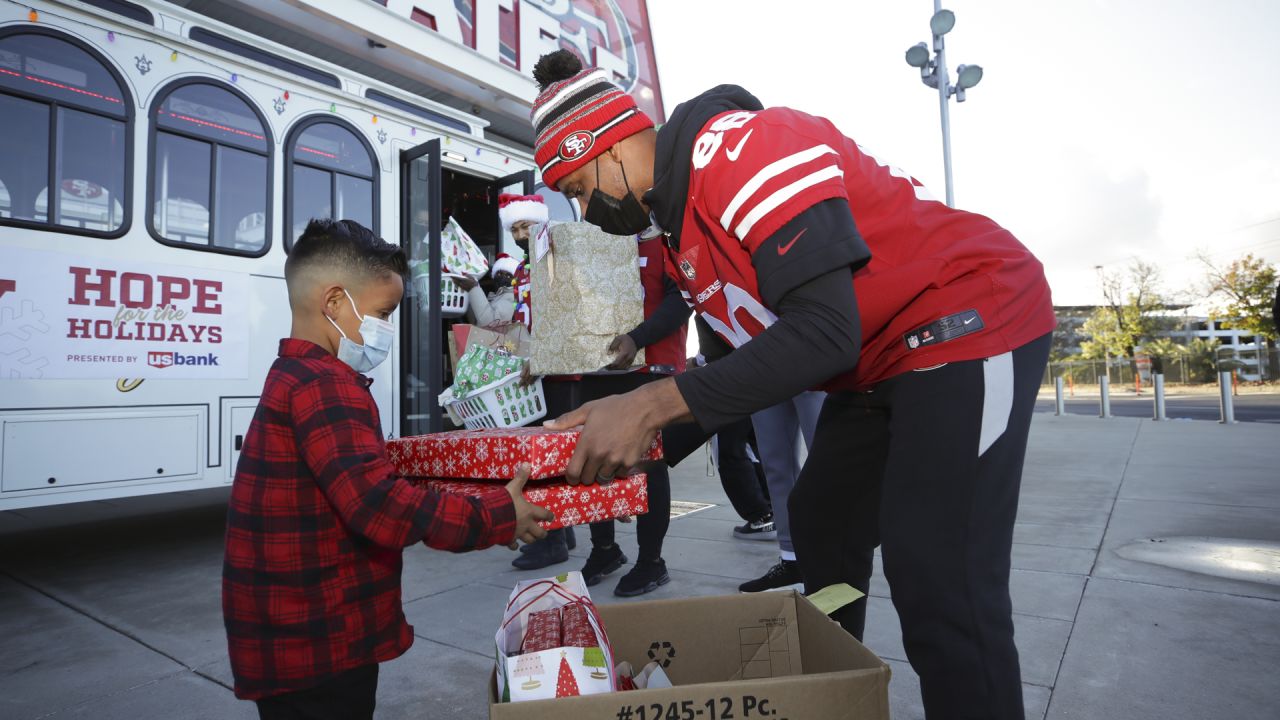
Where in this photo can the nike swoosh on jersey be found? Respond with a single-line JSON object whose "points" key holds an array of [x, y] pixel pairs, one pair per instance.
{"points": [[733, 154], [784, 249]]}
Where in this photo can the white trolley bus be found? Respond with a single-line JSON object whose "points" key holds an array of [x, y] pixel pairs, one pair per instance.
{"points": [[156, 161]]}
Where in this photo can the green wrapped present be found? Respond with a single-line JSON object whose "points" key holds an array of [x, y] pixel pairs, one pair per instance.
{"points": [[481, 365]]}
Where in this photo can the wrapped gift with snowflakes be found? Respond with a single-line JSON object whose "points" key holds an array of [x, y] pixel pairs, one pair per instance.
{"points": [[572, 504], [490, 454]]}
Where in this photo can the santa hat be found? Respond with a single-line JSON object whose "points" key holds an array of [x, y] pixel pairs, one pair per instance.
{"points": [[504, 263], [514, 208], [578, 114]]}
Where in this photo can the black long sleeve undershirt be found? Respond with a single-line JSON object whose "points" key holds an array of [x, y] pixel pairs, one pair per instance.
{"points": [[805, 275], [667, 318]]}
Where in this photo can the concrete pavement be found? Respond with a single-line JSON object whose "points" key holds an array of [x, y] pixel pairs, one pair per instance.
{"points": [[111, 610]]}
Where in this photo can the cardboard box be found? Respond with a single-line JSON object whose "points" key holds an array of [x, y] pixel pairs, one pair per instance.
{"points": [[765, 655], [572, 504], [490, 454]]}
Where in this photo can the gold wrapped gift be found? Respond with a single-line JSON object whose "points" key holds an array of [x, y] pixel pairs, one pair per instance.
{"points": [[585, 291]]}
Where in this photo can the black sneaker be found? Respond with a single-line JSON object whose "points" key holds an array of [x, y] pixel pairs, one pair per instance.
{"points": [[645, 577], [570, 541], [761, 529], [783, 576], [543, 553], [601, 562]]}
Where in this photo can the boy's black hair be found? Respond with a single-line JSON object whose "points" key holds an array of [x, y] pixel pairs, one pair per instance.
{"points": [[347, 246]]}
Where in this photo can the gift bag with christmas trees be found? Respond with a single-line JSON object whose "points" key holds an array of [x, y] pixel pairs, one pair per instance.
{"points": [[552, 643]]}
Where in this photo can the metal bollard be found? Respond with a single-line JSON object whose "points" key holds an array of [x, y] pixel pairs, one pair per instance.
{"points": [[1225, 403], [1157, 385], [1060, 408], [1105, 384]]}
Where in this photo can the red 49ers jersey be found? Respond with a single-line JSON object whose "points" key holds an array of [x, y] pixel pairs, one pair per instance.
{"points": [[942, 285]]}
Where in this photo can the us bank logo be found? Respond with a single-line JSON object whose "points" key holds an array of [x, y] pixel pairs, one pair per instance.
{"points": [[164, 359]]}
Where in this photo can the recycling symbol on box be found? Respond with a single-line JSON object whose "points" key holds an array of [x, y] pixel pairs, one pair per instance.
{"points": [[662, 652]]}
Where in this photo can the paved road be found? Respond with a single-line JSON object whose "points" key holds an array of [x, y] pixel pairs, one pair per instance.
{"points": [[1248, 408]]}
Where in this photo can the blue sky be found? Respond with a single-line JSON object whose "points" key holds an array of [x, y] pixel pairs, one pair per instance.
{"points": [[1103, 130]]}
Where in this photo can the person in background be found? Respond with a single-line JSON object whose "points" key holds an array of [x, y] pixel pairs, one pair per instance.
{"points": [[498, 307], [517, 214], [778, 431], [318, 517], [662, 335], [741, 475]]}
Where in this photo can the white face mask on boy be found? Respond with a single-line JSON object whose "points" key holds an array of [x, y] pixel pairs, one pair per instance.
{"points": [[378, 336]]}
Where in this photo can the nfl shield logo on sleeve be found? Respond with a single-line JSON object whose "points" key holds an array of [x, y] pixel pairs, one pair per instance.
{"points": [[687, 268], [913, 341]]}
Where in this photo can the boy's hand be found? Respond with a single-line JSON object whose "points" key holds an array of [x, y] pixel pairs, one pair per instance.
{"points": [[528, 515]]}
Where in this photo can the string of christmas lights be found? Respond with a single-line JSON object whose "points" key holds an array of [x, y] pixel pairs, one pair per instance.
{"points": [[34, 16]]}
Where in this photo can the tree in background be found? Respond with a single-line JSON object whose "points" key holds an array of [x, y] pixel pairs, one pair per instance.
{"points": [[1199, 357], [1132, 313], [1243, 293]]}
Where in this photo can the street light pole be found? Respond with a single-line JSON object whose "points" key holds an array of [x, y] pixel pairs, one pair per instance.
{"points": [[944, 107], [933, 73]]}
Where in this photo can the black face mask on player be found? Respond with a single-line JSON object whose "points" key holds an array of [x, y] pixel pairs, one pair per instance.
{"points": [[615, 216]]}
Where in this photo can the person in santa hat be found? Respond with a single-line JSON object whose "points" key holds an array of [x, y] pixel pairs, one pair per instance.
{"points": [[518, 214]]}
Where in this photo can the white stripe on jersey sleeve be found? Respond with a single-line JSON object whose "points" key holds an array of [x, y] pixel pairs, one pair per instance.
{"points": [[772, 202], [769, 172]]}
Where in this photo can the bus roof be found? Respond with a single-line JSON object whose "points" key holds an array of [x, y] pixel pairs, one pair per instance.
{"points": [[450, 53]]}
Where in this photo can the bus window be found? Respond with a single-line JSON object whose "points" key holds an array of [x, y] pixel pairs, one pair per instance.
{"points": [[211, 170], [66, 126], [330, 171]]}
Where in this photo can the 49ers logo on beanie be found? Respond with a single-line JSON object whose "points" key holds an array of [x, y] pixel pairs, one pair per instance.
{"points": [[576, 145]]}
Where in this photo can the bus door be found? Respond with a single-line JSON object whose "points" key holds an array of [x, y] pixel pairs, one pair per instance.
{"points": [[422, 356], [430, 196]]}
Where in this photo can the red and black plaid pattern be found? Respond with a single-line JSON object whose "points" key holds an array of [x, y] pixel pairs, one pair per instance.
{"points": [[575, 120], [316, 525]]}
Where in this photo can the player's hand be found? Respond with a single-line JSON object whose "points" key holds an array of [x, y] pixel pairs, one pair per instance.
{"points": [[614, 437], [528, 515], [624, 352]]}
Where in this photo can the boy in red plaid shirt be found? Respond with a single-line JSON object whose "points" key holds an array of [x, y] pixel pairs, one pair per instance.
{"points": [[318, 517]]}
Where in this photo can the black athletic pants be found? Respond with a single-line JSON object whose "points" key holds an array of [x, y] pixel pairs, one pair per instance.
{"points": [[927, 465], [743, 480], [350, 695]]}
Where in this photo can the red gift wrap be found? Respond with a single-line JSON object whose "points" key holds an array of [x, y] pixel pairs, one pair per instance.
{"points": [[572, 504], [575, 627], [490, 454], [543, 632]]}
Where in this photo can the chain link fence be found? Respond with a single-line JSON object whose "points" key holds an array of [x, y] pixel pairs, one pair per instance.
{"points": [[1250, 365]]}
